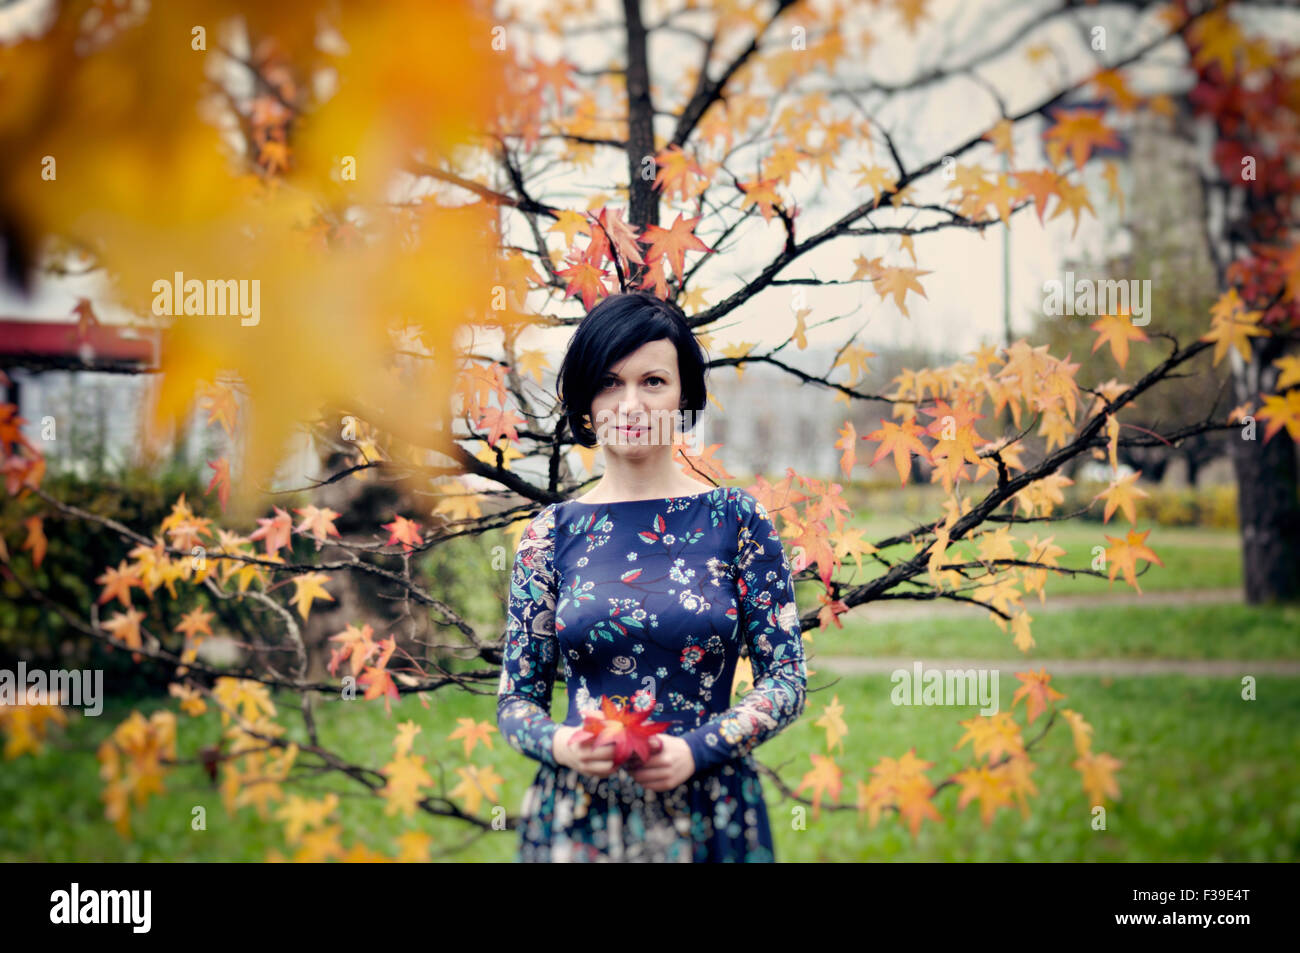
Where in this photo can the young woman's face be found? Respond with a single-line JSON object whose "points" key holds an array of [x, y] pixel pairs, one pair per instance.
{"points": [[635, 400]]}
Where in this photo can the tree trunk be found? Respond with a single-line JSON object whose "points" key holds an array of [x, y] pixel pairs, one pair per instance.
{"points": [[643, 200], [1267, 500]]}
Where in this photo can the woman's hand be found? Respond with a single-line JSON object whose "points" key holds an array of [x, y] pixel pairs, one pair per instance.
{"points": [[583, 757], [670, 764]]}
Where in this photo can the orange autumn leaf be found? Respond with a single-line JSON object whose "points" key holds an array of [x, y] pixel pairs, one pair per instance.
{"points": [[356, 645], [35, 540], [761, 192], [1001, 195], [830, 611], [1288, 366], [897, 282], [1040, 185], [194, 622], [1000, 135], [848, 443], [1124, 553], [118, 582], [1036, 693], [221, 403], [899, 783], [471, 732], [1080, 131], [991, 788], [1072, 198], [125, 628], [319, 521], [1122, 494], [901, 440], [832, 720], [1080, 730], [992, 735], [475, 785], [678, 172], [1118, 331], [825, 780], [674, 242], [1232, 326], [915, 802], [569, 224], [377, 681], [877, 178], [1281, 411], [1098, 772], [1216, 38]]}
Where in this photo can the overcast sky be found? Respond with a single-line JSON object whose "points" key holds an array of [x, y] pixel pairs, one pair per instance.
{"points": [[963, 304]]}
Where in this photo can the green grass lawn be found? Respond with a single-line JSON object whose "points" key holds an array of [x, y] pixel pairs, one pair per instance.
{"points": [[1206, 776], [1207, 631]]}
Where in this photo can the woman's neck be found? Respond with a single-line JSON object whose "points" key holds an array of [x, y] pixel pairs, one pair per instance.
{"points": [[644, 479]]}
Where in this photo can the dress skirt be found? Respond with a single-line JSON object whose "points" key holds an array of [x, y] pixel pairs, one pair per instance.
{"points": [[718, 816]]}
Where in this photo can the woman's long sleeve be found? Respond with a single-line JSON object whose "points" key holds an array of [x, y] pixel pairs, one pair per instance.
{"points": [[769, 623], [531, 649]]}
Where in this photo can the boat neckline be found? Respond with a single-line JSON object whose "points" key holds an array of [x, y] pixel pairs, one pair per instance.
{"points": [[653, 499]]}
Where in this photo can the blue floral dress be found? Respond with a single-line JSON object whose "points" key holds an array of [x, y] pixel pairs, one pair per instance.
{"points": [[647, 600]]}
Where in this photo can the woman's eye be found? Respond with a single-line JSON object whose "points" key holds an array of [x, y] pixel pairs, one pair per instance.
{"points": [[611, 382]]}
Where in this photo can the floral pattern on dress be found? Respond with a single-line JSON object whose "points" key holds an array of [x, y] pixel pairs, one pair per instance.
{"points": [[642, 600]]}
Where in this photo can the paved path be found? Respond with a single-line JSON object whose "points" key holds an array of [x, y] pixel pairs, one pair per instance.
{"points": [[1230, 668], [907, 609]]}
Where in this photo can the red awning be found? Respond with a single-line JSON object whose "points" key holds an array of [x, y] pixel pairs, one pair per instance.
{"points": [[77, 345]]}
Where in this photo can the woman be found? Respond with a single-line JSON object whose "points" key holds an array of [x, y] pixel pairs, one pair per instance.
{"points": [[645, 589]]}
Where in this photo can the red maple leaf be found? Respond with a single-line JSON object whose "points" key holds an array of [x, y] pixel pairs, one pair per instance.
{"points": [[221, 481], [584, 279], [402, 530], [630, 731]]}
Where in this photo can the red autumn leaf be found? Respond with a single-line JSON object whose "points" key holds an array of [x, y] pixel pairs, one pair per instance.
{"points": [[655, 277], [221, 481], [584, 279], [275, 531], [499, 423], [402, 530], [622, 235], [630, 731]]}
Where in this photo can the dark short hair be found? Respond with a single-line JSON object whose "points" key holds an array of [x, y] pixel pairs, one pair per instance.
{"points": [[618, 325]]}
